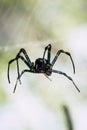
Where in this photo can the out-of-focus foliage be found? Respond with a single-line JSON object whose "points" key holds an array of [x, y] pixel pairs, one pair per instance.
{"points": [[39, 20]]}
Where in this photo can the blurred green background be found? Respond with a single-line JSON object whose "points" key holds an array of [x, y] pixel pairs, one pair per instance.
{"points": [[40, 104]]}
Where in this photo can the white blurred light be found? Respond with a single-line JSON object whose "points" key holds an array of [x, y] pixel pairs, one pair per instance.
{"points": [[28, 110], [77, 39]]}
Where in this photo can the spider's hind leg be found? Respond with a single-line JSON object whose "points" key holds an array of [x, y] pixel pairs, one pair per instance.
{"points": [[19, 76], [62, 73]]}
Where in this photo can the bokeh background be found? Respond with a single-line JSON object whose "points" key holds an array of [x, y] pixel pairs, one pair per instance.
{"points": [[38, 103]]}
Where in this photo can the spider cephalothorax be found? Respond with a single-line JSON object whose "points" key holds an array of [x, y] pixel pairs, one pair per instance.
{"points": [[41, 65]]}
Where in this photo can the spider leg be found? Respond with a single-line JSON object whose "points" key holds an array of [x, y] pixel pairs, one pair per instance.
{"points": [[49, 52], [16, 59], [27, 61], [19, 76], [22, 50], [67, 53], [9, 69], [62, 73], [18, 70]]}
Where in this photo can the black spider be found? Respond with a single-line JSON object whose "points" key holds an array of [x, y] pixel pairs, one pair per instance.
{"points": [[41, 65]]}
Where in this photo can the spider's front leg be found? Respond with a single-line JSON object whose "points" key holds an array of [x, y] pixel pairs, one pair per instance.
{"points": [[11, 61], [22, 50], [26, 61], [49, 52], [67, 53]]}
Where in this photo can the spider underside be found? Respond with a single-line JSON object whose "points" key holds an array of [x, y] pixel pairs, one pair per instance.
{"points": [[41, 65]]}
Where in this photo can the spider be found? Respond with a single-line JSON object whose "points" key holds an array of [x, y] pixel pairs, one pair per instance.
{"points": [[41, 65]]}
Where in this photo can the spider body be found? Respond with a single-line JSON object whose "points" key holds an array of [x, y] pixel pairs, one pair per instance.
{"points": [[42, 65]]}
